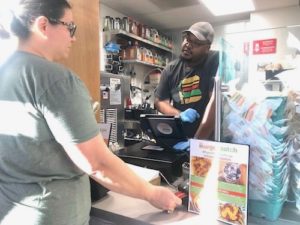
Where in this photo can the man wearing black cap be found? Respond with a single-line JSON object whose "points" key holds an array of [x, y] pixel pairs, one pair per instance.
{"points": [[186, 83]]}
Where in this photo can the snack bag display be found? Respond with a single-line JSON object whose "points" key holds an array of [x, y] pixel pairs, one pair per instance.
{"points": [[262, 125]]}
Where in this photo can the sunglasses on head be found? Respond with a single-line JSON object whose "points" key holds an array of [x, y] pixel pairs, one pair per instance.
{"points": [[70, 26]]}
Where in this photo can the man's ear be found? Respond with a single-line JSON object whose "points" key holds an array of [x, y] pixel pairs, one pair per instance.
{"points": [[41, 26], [207, 48]]}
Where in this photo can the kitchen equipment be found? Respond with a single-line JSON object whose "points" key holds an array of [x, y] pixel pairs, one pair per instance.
{"points": [[113, 100]]}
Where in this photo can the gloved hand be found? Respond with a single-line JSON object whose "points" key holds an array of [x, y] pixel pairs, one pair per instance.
{"points": [[182, 146], [189, 115]]}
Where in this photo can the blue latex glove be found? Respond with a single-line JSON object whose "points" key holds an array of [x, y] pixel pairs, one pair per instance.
{"points": [[189, 115], [182, 146]]}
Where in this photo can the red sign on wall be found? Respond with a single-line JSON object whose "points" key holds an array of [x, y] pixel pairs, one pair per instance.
{"points": [[267, 46]]}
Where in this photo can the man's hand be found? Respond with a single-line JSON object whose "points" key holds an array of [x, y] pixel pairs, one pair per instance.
{"points": [[189, 115], [182, 146]]}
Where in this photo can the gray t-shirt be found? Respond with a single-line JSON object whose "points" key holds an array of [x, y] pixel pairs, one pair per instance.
{"points": [[189, 87], [42, 106]]}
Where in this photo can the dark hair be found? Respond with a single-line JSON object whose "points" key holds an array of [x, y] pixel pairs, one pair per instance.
{"points": [[28, 10]]}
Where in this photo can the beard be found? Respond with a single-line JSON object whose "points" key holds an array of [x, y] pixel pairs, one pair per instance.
{"points": [[186, 54], [192, 60]]}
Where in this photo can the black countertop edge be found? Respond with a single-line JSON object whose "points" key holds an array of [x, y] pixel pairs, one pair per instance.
{"points": [[102, 217]]}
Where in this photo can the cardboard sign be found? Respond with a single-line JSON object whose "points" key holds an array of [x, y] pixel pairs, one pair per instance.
{"points": [[219, 180], [267, 46], [105, 130]]}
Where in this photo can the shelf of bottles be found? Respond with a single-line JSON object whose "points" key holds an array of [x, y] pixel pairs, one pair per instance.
{"points": [[142, 62], [135, 30], [138, 38]]}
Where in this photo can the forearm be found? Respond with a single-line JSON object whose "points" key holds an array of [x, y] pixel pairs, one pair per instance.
{"points": [[115, 175], [166, 108], [94, 158], [118, 177]]}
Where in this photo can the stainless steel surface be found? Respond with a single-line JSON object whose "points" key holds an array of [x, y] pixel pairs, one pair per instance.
{"points": [[132, 124], [112, 107], [112, 117], [143, 211], [218, 109]]}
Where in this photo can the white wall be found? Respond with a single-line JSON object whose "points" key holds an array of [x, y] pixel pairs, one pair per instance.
{"points": [[280, 24], [276, 18], [258, 21]]}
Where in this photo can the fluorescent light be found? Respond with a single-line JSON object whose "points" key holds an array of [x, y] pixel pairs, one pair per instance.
{"points": [[226, 7]]}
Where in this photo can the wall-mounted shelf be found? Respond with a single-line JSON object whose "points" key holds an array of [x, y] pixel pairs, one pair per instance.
{"points": [[135, 37], [142, 62]]}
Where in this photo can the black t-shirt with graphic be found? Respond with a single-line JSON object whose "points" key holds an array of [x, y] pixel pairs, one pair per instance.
{"points": [[188, 87]]}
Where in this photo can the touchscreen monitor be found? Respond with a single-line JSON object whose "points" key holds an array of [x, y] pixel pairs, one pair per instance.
{"points": [[166, 130]]}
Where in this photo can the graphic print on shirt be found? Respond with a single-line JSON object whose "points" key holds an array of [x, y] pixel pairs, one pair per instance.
{"points": [[189, 90]]}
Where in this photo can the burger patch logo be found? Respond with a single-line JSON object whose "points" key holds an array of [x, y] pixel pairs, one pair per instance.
{"points": [[190, 90]]}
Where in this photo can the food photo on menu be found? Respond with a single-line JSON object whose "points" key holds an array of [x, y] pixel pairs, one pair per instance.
{"points": [[219, 180]]}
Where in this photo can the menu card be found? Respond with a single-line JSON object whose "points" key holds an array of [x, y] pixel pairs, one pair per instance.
{"points": [[105, 130], [219, 180]]}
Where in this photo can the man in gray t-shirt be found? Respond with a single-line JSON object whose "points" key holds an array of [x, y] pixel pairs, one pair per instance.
{"points": [[186, 84]]}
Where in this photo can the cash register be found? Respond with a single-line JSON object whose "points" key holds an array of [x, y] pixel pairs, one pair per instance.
{"points": [[157, 151]]}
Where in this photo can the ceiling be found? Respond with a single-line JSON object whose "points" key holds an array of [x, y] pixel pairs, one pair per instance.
{"points": [[177, 14]]}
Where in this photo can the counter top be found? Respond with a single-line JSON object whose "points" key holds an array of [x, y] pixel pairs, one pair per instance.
{"points": [[102, 217], [142, 211]]}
